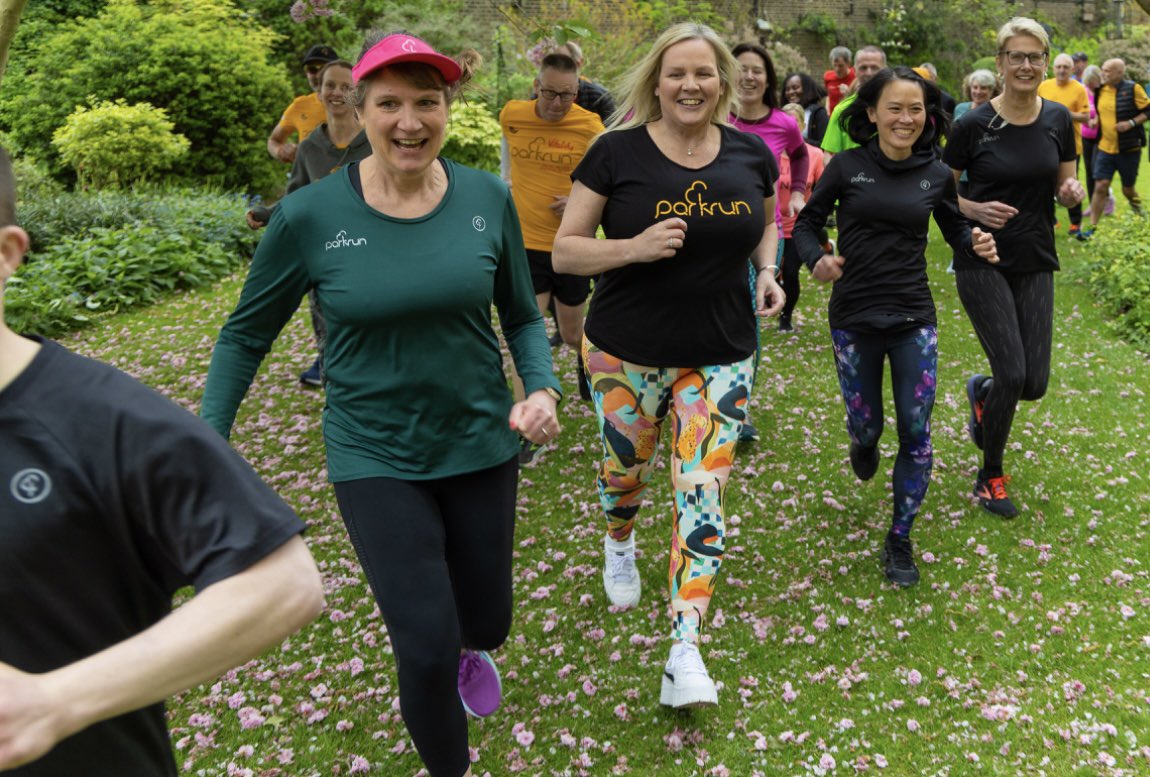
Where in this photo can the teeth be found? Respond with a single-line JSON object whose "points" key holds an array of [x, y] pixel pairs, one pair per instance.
{"points": [[691, 102], [409, 143]]}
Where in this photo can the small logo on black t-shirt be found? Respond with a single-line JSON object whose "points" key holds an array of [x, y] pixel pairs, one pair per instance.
{"points": [[862, 178], [924, 184], [30, 486]]}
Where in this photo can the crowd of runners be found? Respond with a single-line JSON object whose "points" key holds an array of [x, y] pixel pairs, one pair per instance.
{"points": [[657, 225]]}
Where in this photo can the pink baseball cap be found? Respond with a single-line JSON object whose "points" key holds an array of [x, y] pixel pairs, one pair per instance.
{"points": [[400, 47]]}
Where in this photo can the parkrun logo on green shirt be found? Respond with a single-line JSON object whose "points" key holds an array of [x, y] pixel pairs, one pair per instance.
{"points": [[694, 204], [343, 241]]}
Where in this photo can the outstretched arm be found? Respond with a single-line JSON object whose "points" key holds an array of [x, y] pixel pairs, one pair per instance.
{"points": [[224, 625]]}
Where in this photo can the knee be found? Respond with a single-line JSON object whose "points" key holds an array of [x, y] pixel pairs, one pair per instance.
{"points": [[490, 631], [1010, 383], [1034, 388], [427, 664]]}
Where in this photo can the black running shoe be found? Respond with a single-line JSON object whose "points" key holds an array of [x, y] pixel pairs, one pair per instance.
{"points": [[748, 432], [864, 461], [529, 452], [898, 561], [555, 340], [974, 425], [991, 494], [785, 325]]}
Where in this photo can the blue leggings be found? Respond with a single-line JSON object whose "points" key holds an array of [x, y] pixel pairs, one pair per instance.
{"points": [[913, 355]]}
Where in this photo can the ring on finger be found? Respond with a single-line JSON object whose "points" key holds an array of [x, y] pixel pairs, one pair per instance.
{"points": [[670, 242]]}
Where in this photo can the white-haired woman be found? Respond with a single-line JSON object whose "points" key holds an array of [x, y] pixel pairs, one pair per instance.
{"points": [[408, 252], [1018, 153], [684, 199]]}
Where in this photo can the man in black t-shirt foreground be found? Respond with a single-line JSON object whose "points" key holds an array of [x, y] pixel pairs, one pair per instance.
{"points": [[111, 499]]}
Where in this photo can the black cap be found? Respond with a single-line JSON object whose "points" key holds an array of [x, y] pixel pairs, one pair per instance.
{"points": [[1080, 57], [320, 54]]}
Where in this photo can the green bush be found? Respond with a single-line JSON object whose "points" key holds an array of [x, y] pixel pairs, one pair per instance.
{"points": [[1120, 274], [99, 253], [114, 144], [473, 137], [202, 61]]}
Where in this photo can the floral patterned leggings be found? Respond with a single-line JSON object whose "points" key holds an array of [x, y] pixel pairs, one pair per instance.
{"points": [[913, 355], [707, 405]]}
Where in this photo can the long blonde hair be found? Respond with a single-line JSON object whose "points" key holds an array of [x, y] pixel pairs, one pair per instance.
{"points": [[640, 104]]}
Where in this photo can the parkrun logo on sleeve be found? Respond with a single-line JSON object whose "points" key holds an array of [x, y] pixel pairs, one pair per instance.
{"points": [[343, 241], [694, 204]]}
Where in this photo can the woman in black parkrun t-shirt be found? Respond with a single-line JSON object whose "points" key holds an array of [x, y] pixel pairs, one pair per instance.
{"points": [[684, 200], [1018, 154], [881, 307]]}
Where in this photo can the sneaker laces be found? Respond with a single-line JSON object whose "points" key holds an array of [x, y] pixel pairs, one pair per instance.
{"points": [[689, 661], [901, 552], [617, 564], [997, 487]]}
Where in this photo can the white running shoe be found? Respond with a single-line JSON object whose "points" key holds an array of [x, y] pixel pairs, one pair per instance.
{"points": [[620, 575], [685, 679]]}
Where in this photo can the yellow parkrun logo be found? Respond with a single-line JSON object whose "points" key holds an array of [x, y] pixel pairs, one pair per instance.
{"points": [[695, 204]]}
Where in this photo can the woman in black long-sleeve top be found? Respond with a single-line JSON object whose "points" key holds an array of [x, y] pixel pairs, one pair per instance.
{"points": [[881, 307]]}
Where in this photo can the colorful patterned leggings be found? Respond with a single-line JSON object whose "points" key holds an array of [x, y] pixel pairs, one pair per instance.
{"points": [[913, 355], [707, 405]]}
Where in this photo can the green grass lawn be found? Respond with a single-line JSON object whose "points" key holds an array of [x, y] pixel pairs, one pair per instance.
{"points": [[1024, 650]]}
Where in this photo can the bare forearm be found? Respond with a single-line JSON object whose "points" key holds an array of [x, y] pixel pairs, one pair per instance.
{"points": [[221, 627], [590, 256]]}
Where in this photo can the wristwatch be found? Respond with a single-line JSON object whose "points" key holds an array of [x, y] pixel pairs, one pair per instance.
{"points": [[554, 394]]}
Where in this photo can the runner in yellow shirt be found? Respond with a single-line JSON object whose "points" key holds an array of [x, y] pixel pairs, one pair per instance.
{"points": [[1065, 90], [306, 112]]}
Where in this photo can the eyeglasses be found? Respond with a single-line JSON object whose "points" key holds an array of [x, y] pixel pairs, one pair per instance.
{"points": [[1016, 58], [550, 94], [314, 67]]}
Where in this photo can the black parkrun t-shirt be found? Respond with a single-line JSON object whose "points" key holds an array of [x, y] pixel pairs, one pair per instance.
{"points": [[1017, 165], [111, 499], [695, 308]]}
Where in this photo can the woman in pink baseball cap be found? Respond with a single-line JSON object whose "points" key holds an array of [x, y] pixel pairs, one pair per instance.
{"points": [[407, 253]]}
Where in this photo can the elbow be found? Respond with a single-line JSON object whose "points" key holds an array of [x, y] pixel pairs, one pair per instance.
{"points": [[561, 257]]}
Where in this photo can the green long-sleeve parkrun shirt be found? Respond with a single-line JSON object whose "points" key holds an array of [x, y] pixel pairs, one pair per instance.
{"points": [[415, 383]]}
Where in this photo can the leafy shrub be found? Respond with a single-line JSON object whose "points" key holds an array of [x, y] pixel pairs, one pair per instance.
{"points": [[33, 180], [473, 137], [100, 253], [201, 60], [1120, 274], [115, 144], [787, 59]]}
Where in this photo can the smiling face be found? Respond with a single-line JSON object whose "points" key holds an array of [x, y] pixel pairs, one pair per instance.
{"points": [[689, 85], [404, 123], [752, 78], [1063, 69], [980, 93], [1026, 76], [793, 90], [899, 115], [335, 91]]}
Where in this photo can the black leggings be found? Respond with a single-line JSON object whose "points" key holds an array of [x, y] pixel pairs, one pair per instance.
{"points": [[437, 554], [1013, 316], [791, 266]]}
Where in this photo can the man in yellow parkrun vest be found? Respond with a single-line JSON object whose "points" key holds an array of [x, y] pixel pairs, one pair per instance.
{"points": [[543, 141], [306, 112]]}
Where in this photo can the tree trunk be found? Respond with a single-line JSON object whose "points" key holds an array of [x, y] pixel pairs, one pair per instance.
{"points": [[1145, 5], [10, 11]]}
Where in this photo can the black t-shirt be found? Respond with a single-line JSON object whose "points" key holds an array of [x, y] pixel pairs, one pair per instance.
{"points": [[111, 499], [884, 210], [695, 308], [1017, 165]]}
